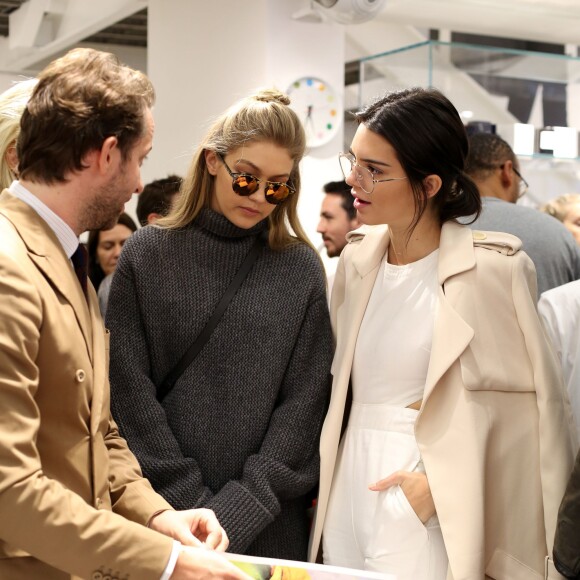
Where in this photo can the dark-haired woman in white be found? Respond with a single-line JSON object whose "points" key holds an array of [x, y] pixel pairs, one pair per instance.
{"points": [[448, 454]]}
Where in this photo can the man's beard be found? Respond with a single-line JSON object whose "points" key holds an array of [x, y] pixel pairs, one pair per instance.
{"points": [[103, 212], [333, 251]]}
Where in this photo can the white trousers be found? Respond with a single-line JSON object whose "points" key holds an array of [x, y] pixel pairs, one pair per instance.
{"points": [[380, 531]]}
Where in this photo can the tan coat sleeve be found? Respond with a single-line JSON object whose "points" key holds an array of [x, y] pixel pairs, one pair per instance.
{"points": [[39, 515]]}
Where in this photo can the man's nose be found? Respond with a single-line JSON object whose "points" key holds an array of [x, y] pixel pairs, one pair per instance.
{"points": [[140, 186]]}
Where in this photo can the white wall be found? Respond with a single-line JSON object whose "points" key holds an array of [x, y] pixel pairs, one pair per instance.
{"points": [[203, 56], [202, 62]]}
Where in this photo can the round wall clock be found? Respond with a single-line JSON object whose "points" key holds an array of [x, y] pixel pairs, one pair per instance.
{"points": [[318, 107]]}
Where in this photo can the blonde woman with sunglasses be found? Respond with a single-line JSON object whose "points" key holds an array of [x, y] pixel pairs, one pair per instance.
{"points": [[446, 447], [238, 431]]}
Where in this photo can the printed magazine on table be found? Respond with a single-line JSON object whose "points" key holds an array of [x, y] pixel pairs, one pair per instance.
{"points": [[274, 569]]}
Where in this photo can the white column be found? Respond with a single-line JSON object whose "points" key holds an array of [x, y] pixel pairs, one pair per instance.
{"points": [[203, 56]]}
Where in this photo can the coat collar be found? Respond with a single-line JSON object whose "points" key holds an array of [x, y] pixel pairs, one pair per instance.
{"points": [[49, 257], [451, 334], [456, 249], [372, 248], [456, 253]]}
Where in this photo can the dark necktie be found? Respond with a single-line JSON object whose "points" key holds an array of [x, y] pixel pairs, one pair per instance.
{"points": [[80, 263]]}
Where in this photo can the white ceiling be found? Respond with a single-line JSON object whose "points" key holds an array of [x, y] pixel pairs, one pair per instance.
{"points": [[556, 21], [124, 22]]}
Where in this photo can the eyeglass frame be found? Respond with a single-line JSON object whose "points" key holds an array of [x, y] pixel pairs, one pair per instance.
{"points": [[235, 176], [354, 163]]}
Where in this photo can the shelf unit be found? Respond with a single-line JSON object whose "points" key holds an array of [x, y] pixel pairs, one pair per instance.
{"points": [[500, 86]]}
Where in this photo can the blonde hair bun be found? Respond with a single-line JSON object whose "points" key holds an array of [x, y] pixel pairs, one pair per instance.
{"points": [[272, 96]]}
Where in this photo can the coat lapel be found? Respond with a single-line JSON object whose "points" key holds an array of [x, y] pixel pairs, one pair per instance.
{"points": [[451, 334], [366, 261], [100, 360], [48, 255]]}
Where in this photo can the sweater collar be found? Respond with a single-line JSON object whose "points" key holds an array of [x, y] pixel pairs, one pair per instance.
{"points": [[220, 226]]}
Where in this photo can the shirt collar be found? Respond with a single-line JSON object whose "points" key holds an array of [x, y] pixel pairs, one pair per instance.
{"points": [[61, 229]]}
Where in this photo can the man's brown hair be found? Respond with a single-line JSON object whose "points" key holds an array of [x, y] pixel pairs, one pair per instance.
{"points": [[80, 100]]}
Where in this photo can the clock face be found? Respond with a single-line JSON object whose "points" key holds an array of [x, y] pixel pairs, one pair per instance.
{"points": [[318, 107]]}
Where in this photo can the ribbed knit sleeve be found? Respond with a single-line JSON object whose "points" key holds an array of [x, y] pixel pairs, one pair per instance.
{"points": [[287, 464], [239, 431], [142, 419]]}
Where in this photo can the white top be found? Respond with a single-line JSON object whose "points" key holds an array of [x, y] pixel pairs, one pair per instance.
{"points": [[559, 309], [394, 342]]}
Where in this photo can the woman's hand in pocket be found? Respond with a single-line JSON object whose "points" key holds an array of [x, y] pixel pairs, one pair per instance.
{"points": [[416, 489]]}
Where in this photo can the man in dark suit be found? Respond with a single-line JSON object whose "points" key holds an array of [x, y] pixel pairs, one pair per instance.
{"points": [[72, 497]]}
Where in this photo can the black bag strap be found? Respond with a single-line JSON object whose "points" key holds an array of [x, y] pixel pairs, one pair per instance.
{"points": [[171, 378]]}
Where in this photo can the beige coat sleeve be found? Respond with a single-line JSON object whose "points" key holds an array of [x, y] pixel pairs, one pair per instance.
{"points": [[556, 429]]}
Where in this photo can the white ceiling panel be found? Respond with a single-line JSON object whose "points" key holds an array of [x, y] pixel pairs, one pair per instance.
{"points": [[556, 21]]}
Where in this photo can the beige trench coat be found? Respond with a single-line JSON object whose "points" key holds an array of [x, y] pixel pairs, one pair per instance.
{"points": [[494, 429]]}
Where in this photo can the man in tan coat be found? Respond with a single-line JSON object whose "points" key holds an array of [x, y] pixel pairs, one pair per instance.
{"points": [[73, 501]]}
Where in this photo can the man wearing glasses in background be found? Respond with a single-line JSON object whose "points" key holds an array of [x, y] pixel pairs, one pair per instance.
{"points": [[494, 168]]}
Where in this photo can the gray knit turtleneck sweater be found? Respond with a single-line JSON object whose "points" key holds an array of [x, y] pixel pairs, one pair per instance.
{"points": [[239, 432]]}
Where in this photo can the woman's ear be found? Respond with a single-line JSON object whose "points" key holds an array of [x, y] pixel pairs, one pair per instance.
{"points": [[12, 158], [432, 184], [212, 161]]}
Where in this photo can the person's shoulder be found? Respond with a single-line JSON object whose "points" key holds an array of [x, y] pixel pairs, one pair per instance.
{"points": [[367, 238], [15, 254], [301, 261], [501, 242], [365, 232], [533, 217], [11, 239], [302, 256], [148, 234], [567, 294], [300, 251], [147, 238]]}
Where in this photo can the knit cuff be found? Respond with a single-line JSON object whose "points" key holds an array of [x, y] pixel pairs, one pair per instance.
{"points": [[241, 515]]}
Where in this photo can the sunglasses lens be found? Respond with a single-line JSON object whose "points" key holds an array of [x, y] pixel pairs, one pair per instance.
{"points": [[245, 184], [276, 192]]}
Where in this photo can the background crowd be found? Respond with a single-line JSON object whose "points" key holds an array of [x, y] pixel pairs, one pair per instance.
{"points": [[425, 397]]}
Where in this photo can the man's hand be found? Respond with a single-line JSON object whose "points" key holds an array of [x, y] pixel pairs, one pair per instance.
{"points": [[197, 527], [199, 564]]}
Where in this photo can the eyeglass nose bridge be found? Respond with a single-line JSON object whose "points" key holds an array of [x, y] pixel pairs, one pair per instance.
{"points": [[354, 168], [360, 174], [269, 191]]}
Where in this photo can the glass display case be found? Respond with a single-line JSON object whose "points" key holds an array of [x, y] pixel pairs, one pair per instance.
{"points": [[532, 99]]}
